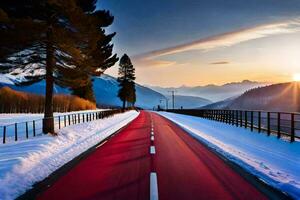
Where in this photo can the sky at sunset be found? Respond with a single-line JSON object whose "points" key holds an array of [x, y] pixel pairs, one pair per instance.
{"points": [[199, 42]]}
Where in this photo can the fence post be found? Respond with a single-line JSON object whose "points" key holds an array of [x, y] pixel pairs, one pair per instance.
{"points": [[259, 121], [269, 123], [237, 117], [246, 119], [241, 118], [278, 125], [26, 129], [251, 120], [227, 116], [78, 117], [58, 122], [83, 117], [16, 132], [65, 121], [33, 127], [4, 134], [292, 127], [222, 116], [69, 120]]}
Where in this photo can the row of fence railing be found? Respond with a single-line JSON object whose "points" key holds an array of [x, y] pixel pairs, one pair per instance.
{"points": [[283, 124], [33, 128]]}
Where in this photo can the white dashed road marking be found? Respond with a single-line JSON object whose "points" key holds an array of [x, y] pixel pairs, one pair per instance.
{"points": [[153, 186], [152, 138], [152, 150]]}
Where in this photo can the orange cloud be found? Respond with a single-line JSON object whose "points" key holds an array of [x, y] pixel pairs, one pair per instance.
{"points": [[148, 62], [219, 63]]}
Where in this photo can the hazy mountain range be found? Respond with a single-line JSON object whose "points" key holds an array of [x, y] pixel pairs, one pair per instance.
{"points": [[187, 102], [212, 92]]}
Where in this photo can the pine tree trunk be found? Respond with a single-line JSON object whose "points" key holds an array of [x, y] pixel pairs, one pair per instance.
{"points": [[48, 121], [124, 102]]}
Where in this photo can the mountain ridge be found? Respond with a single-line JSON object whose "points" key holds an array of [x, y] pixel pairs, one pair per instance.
{"points": [[213, 92], [281, 97]]}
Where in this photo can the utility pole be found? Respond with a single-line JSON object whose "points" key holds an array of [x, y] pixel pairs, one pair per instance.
{"points": [[173, 98], [167, 103]]}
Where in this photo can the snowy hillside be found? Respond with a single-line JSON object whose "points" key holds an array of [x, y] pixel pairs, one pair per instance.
{"points": [[105, 88]]}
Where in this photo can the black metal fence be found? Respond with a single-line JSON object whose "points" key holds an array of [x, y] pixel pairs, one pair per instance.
{"points": [[29, 129], [283, 124]]}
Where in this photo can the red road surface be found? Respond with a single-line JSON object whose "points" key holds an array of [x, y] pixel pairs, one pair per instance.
{"points": [[120, 169]]}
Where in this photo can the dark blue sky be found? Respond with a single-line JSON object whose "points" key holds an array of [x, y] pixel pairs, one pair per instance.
{"points": [[154, 24]]}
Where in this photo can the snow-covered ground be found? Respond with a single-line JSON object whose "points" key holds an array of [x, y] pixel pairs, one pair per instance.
{"points": [[10, 119], [273, 160], [32, 160]]}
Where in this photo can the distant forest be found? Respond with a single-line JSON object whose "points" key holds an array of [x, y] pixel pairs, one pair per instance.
{"points": [[12, 101]]}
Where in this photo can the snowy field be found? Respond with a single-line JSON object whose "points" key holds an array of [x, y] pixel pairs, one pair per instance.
{"points": [[9, 120], [273, 160], [32, 160]]}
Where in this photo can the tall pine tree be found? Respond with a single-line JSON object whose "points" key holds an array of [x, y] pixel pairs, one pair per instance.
{"points": [[65, 38], [126, 81]]}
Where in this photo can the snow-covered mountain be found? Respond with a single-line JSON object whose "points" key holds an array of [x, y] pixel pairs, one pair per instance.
{"points": [[105, 89], [212, 92]]}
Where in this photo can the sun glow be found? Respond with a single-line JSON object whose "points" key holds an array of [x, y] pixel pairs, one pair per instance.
{"points": [[296, 77]]}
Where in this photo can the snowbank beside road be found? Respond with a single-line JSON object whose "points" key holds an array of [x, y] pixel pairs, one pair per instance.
{"points": [[273, 160], [24, 163]]}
